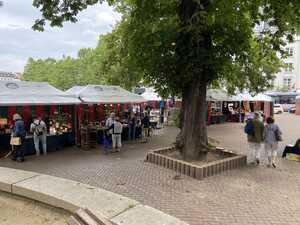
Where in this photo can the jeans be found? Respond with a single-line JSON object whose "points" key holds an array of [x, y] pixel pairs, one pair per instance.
{"points": [[271, 152], [131, 132], [116, 141], [254, 152], [291, 149], [107, 143], [19, 151], [37, 140]]}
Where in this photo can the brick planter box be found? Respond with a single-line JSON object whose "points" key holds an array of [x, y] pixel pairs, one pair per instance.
{"points": [[232, 161]]}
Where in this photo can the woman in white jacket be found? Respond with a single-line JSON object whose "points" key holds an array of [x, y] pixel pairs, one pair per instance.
{"points": [[272, 134]]}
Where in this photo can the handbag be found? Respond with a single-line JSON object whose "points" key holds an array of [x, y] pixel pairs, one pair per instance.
{"points": [[15, 141], [278, 135]]}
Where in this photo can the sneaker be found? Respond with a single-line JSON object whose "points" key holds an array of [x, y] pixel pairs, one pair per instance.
{"points": [[274, 165]]}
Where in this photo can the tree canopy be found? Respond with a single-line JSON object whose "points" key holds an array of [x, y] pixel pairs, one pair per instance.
{"points": [[184, 46]]}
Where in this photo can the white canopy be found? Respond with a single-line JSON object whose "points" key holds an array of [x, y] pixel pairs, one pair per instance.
{"points": [[218, 95], [151, 95], [221, 95], [33, 93], [94, 94], [256, 98]]}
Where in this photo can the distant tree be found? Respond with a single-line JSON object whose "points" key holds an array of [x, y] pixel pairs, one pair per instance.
{"points": [[108, 63], [184, 46]]}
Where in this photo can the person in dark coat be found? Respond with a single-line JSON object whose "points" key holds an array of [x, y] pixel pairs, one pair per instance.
{"points": [[18, 130], [255, 140], [292, 149], [146, 126]]}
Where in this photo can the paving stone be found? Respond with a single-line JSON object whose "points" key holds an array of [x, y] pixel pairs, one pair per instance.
{"points": [[250, 195], [12, 176], [146, 216]]}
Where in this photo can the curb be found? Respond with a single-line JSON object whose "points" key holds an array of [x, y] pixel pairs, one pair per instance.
{"points": [[71, 195], [198, 172]]}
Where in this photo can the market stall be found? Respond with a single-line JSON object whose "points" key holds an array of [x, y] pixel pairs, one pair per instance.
{"points": [[259, 102], [223, 107], [216, 107], [155, 106], [31, 99], [97, 102]]}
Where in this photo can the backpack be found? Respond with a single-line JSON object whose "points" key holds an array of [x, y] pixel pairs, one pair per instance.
{"points": [[38, 130], [249, 128]]}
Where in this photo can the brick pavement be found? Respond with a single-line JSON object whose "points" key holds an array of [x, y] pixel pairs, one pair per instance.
{"points": [[252, 195]]}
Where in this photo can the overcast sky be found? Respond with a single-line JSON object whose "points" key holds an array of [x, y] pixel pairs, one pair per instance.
{"points": [[18, 41]]}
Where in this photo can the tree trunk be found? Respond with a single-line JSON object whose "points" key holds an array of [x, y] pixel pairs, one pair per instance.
{"points": [[192, 139], [193, 136]]}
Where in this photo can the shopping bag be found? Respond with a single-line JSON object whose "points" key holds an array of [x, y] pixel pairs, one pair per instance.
{"points": [[15, 141], [293, 157]]}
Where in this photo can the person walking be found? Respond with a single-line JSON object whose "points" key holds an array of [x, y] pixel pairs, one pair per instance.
{"points": [[116, 129], [132, 125], [18, 131], [146, 126], [110, 120], [39, 130], [255, 131], [108, 135], [272, 135]]}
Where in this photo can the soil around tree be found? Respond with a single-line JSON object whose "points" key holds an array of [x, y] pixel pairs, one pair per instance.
{"points": [[212, 156], [16, 210]]}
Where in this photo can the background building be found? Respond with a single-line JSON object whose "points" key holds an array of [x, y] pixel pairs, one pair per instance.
{"points": [[8, 76], [289, 78]]}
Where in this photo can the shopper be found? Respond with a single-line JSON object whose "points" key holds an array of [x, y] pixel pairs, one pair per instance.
{"points": [[110, 120], [272, 135], [18, 131], [116, 129], [255, 131], [132, 124], [292, 149], [39, 130], [146, 126]]}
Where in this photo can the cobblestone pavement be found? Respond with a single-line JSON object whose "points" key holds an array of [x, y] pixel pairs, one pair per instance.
{"points": [[252, 195]]}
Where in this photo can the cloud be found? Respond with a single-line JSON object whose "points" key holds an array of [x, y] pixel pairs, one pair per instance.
{"points": [[18, 41]]}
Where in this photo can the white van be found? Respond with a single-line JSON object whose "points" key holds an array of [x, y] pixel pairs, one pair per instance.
{"points": [[278, 109]]}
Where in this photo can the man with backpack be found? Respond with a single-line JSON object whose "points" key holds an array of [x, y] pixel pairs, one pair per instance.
{"points": [[39, 130], [254, 130]]}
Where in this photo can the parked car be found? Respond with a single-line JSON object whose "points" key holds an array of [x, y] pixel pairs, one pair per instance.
{"points": [[292, 110], [278, 109], [286, 107]]}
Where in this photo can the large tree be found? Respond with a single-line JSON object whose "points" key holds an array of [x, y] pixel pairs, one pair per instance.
{"points": [[184, 46]]}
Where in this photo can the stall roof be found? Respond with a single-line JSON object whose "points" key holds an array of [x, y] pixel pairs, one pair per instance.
{"points": [[256, 98], [221, 95], [151, 95], [218, 95], [104, 94], [33, 93]]}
